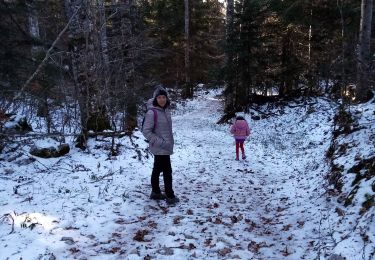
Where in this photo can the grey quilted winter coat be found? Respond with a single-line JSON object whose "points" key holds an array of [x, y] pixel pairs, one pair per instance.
{"points": [[161, 139]]}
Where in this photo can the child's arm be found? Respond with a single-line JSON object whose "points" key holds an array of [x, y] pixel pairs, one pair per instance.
{"points": [[248, 130], [233, 129]]}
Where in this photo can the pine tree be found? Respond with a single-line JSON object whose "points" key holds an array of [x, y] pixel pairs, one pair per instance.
{"points": [[242, 52], [165, 21]]}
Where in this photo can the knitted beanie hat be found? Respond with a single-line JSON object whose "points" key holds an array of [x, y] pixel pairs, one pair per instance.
{"points": [[160, 91], [240, 116]]}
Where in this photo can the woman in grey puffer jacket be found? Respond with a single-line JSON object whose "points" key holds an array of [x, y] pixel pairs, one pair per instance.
{"points": [[157, 128]]}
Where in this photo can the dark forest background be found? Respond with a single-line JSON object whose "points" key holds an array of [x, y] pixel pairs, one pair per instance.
{"points": [[99, 60]]}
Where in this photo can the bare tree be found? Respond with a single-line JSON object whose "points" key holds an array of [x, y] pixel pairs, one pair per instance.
{"points": [[87, 63], [126, 54]]}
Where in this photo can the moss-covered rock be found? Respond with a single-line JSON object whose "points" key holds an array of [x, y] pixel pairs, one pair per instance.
{"points": [[49, 152], [17, 124], [46, 152], [62, 150]]}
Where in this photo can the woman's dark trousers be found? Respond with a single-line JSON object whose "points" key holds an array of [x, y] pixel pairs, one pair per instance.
{"points": [[162, 163]]}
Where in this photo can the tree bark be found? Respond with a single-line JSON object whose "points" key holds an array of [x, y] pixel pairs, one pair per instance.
{"points": [[82, 60], [33, 25], [188, 88], [103, 41], [229, 90], [364, 56], [131, 97], [343, 76], [310, 72]]}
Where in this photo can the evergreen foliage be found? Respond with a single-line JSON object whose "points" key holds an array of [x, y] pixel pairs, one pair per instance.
{"points": [[15, 44], [290, 48], [286, 49], [165, 23]]}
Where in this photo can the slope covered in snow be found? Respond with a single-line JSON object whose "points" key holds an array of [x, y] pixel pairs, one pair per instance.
{"points": [[274, 205]]}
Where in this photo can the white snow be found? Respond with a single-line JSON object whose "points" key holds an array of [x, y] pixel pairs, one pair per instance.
{"points": [[274, 205]]}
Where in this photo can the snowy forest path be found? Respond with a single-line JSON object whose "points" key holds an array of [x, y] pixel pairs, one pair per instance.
{"points": [[271, 191], [93, 205]]}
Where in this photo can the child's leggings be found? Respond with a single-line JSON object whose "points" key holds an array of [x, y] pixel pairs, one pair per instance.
{"points": [[239, 144]]}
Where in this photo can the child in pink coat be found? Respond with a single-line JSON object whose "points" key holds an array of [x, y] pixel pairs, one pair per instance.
{"points": [[240, 130]]}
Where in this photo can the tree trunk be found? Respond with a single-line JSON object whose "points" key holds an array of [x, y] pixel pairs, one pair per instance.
{"points": [[286, 63], [131, 97], [229, 90], [310, 72], [103, 41], [33, 26], [342, 22], [364, 56], [42, 101], [188, 88], [82, 60], [241, 89]]}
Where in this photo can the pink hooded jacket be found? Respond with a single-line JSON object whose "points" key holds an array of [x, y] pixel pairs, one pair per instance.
{"points": [[240, 129]]}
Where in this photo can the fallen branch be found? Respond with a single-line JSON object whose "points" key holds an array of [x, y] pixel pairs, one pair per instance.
{"points": [[36, 135], [8, 216], [97, 179], [48, 53]]}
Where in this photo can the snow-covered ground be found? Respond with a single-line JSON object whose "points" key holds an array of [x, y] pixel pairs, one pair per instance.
{"points": [[274, 205]]}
